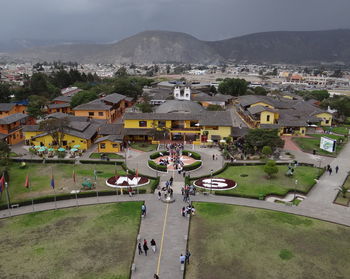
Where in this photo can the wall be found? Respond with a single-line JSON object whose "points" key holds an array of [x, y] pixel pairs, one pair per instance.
{"points": [[261, 104], [109, 147], [221, 131], [135, 124], [263, 117], [106, 114], [325, 116]]}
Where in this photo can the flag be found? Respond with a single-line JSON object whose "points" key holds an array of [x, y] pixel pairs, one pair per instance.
{"points": [[26, 184], [2, 183], [52, 184], [74, 178]]}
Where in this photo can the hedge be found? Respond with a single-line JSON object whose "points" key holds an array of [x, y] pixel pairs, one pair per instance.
{"points": [[157, 154], [194, 155], [157, 167], [193, 166], [101, 162], [155, 184]]}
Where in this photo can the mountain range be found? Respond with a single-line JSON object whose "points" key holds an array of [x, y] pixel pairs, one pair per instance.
{"points": [[291, 47]]}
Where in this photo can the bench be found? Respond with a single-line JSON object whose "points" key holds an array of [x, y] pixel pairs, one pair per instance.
{"points": [[15, 205]]}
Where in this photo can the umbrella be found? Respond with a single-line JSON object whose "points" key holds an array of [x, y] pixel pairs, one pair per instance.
{"points": [[37, 146], [61, 149], [209, 141], [74, 149], [222, 141], [76, 146], [51, 149], [42, 149]]}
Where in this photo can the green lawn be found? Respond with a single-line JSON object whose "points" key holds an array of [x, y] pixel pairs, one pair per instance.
{"points": [[240, 242], [341, 130], [256, 183], [85, 242], [309, 144], [40, 177], [144, 146], [109, 155]]}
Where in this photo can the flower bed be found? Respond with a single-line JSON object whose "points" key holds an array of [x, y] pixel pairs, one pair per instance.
{"points": [[127, 181]]}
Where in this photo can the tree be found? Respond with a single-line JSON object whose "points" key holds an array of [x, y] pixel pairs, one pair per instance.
{"points": [[121, 72], [319, 95], [145, 107], [83, 97], [62, 79], [38, 84], [5, 93], [259, 90], [131, 86], [55, 128], [168, 69], [4, 157], [212, 89], [36, 106], [214, 108], [337, 74], [233, 86], [267, 151], [270, 168], [258, 138]]}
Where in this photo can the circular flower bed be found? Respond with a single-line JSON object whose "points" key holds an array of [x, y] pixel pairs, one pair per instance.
{"points": [[126, 181], [215, 183]]}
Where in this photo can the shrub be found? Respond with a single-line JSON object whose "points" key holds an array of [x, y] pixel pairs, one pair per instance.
{"points": [[267, 151], [157, 167], [194, 155], [193, 166], [157, 154], [270, 168]]}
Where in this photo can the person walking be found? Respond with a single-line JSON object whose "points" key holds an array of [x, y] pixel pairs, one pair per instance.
{"points": [[143, 210], [159, 195], [140, 248], [213, 157], [183, 211], [145, 247], [330, 171], [155, 276], [182, 259], [153, 245], [336, 169], [188, 255]]}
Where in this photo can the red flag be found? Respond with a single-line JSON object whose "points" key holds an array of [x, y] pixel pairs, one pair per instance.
{"points": [[2, 183], [26, 184]]}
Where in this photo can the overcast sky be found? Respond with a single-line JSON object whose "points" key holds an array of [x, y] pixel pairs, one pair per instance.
{"points": [[110, 20]]}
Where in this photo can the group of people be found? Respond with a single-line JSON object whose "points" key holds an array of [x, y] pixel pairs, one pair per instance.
{"points": [[330, 170], [144, 248], [167, 190], [188, 211], [186, 191], [215, 156], [185, 258]]}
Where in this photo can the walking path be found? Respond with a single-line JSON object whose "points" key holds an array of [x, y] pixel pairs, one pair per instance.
{"points": [[165, 224]]}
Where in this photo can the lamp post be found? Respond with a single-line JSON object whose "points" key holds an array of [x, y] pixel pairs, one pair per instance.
{"points": [[295, 188], [211, 181]]}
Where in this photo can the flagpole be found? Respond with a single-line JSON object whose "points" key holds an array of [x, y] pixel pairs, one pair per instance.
{"points": [[53, 187], [30, 191], [75, 184], [115, 175], [8, 198], [137, 182], [95, 174]]}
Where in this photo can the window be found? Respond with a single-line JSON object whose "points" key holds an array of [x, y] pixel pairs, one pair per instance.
{"points": [[102, 145], [327, 121], [142, 123], [268, 118], [115, 145], [100, 113], [91, 113], [161, 123], [194, 124]]}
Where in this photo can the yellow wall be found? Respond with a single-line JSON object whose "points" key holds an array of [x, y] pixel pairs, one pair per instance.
{"points": [[325, 116], [135, 124], [47, 140], [224, 132], [109, 147], [263, 117], [261, 104], [106, 114]]}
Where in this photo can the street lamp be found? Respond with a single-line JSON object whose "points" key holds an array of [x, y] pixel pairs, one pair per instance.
{"points": [[295, 188], [211, 181]]}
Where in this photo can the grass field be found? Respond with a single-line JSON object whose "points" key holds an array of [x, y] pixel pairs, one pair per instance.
{"points": [[240, 242], [313, 143], [40, 177], [109, 155], [144, 146], [86, 242], [341, 130], [256, 183]]}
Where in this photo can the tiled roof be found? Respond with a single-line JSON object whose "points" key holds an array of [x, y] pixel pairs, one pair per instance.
{"points": [[93, 106], [215, 118], [259, 109], [66, 99], [6, 106], [111, 129], [114, 98], [13, 118], [178, 106], [111, 138], [56, 106]]}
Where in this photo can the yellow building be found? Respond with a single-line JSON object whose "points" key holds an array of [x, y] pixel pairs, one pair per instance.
{"points": [[76, 133], [109, 144], [108, 108]]}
